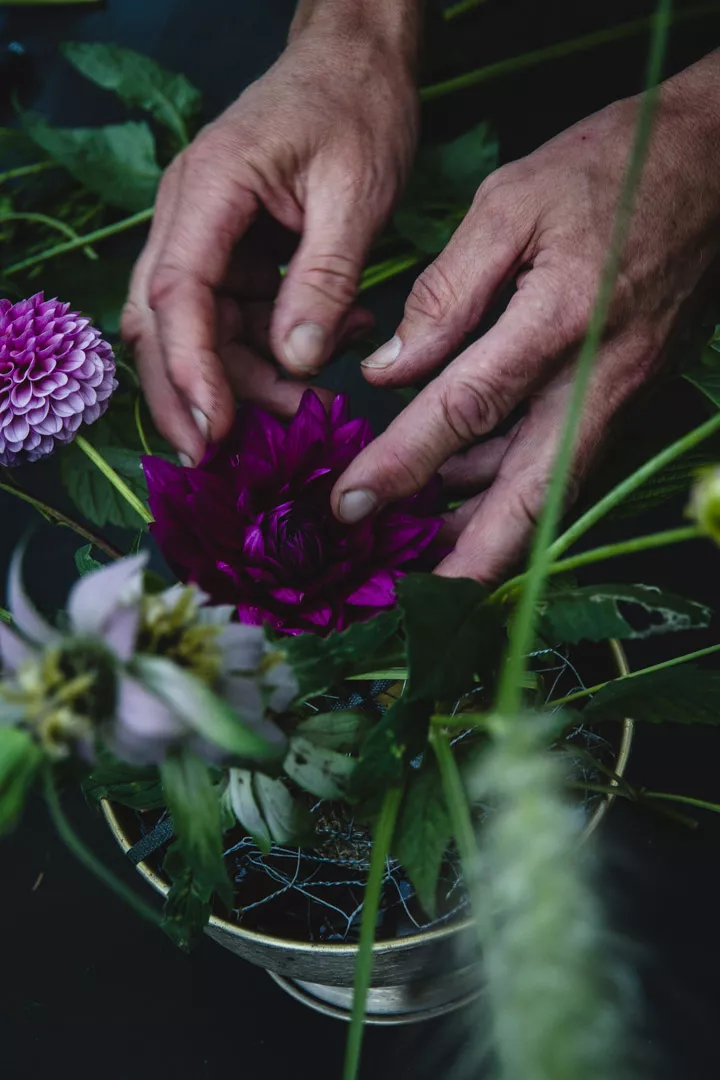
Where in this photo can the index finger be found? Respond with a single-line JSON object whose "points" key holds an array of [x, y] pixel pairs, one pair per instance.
{"points": [[211, 215]]}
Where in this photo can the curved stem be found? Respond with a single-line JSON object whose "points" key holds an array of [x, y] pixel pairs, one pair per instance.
{"points": [[456, 800], [27, 170], [635, 480], [522, 626], [557, 51], [461, 8], [82, 241], [684, 659], [87, 858], [687, 799], [382, 839], [139, 426], [390, 268], [117, 482], [51, 223], [62, 519]]}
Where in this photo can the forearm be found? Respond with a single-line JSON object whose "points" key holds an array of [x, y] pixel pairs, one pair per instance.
{"points": [[393, 24]]}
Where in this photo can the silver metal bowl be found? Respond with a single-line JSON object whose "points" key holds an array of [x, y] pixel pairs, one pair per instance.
{"points": [[414, 978]]}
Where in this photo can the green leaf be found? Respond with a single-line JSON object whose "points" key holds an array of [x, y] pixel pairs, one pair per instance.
{"points": [[267, 810], [84, 561], [319, 662], [593, 613], [187, 907], [423, 831], [98, 293], [678, 695], [397, 739], [138, 81], [194, 804], [202, 710], [20, 759], [705, 375], [134, 786], [117, 162], [322, 772], [454, 637], [114, 436], [343, 730], [442, 186]]}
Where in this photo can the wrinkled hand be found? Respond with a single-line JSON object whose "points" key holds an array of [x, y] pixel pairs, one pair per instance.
{"points": [[321, 145], [545, 221]]}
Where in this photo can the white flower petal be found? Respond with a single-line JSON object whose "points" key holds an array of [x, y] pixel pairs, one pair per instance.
{"points": [[145, 728], [28, 619], [242, 647], [97, 596], [14, 650]]}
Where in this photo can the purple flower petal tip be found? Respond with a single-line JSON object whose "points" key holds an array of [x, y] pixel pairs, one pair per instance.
{"points": [[56, 373]]}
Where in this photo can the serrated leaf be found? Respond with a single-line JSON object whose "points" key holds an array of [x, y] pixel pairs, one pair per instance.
{"points": [[423, 832], [342, 730], [397, 739], [202, 710], [187, 907], [20, 759], [679, 695], [137, 787], [138, 81], [117, 162], [318, 662], [84, 561], [322, 772], [194, 804], [453, 635], [593, 613]]}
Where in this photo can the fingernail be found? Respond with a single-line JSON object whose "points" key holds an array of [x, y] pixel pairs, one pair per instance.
{"points": [[202, 421], [356, 505], [305, 347], [185, 460], [386, 354]]}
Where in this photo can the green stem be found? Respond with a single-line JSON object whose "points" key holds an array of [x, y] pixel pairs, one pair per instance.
{"points": [[635, 480], [87, 858], [456, 800], [702, 804], [686, 658], [139, 426], [117, 482], [379, 272], [523, 623], [558, 50], [51, 223], [62, 519], [26, 170], [608, 551], [82, 241], [382, 840], [635, 797], [461, 8]]}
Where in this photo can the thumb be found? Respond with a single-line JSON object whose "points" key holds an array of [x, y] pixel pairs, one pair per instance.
{"points": [[322, 279]]}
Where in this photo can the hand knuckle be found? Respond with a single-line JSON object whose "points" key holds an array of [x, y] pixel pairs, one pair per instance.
{"points": [[333, 276], [162, 285], [433, 296], [470, 407]]}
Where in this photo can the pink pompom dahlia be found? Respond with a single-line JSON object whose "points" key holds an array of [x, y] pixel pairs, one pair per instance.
{"points": [[56, 373], [252, 525]]}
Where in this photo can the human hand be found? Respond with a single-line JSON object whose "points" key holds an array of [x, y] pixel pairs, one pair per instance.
{"points": [[546, 221], [320, 145]]}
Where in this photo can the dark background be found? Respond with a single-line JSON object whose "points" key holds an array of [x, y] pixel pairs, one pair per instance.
{"points": [[88, 990]]}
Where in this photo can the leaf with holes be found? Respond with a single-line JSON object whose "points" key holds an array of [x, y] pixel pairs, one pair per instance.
{"points": [[343, 730], [599, 612], [322, 772]]}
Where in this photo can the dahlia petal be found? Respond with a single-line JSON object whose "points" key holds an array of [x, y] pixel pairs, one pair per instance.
{"points": [[16, 430], [307, 431], [339, 411], [377, 591], [288, 596]]}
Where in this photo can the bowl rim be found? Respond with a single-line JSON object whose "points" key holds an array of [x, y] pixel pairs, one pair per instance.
{"points": [[411, 941]]}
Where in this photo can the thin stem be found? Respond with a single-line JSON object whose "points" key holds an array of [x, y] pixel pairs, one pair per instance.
{"points": [[523, 623], [117, 482], [382, 840], [82, 241], [51, 223], [27, 170], [87, 858], [456, 800], [685, 659], [634, 797], [62, 519], [560, 49], [702, 804], [461, 8], [374, 275], [609, 551], [635, 480], [139, 426]]}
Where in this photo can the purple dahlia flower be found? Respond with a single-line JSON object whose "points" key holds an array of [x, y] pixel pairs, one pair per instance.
{"points": [[253, 527], [56, 373]]}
